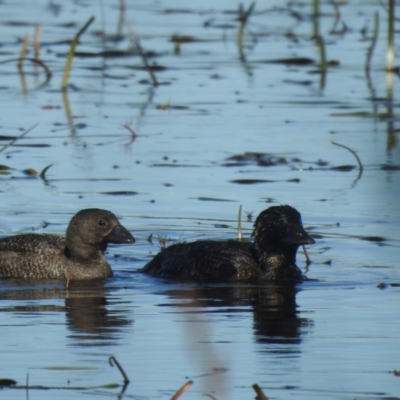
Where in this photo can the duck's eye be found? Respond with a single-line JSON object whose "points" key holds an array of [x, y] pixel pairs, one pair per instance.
{"points": [[102, 222]]}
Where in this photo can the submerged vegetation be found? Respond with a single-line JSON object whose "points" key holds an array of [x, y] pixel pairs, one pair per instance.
{"points": [[12, 384], [247, 38]]}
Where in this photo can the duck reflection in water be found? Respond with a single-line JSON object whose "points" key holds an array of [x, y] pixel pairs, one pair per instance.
{"points": [[274, 308], [86, 306], [88, 316]]}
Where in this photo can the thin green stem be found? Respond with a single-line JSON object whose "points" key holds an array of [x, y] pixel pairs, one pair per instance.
{"points": [[71, 53], [240, 223], [390, 49]]}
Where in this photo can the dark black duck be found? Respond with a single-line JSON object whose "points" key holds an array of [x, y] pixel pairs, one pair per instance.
{"points": [[78, 256], [278, 233]]}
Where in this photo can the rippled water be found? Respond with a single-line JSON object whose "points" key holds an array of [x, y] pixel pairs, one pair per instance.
{"points": [[220, 130]]}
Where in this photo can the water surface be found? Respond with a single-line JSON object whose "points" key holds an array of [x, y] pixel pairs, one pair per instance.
{"points": [[221, 129]]}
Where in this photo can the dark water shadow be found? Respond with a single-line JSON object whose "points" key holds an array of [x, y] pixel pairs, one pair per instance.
{"points": [[274, 308], [90, 316]]}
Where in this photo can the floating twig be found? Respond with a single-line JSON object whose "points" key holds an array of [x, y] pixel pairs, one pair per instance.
{"points": [[43, 387], [112, 360], [35, 61], [132, 132], [360, 166], [12, 384], [260, 393], [182, 389], [19, 137], [71, 53]]}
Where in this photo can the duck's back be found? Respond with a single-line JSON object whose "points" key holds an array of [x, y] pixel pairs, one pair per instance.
{"points": [[206, 261], [31, 256]]}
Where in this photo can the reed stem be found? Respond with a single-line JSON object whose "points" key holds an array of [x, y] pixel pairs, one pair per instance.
{"points": [[71, 53]]}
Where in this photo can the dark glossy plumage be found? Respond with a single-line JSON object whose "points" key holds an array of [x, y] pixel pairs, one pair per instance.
{"points": [[78, 256], [278, 232]]}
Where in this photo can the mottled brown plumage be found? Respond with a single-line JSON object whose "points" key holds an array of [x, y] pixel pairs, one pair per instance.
{"points": [[278, 232], [78, 256]]}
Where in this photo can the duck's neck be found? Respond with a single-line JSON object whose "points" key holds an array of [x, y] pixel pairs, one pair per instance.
{"points": [[78, 250], [279, 264]]}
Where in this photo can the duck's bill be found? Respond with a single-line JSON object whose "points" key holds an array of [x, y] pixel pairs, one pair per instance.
{"points": [[299, 236], [120, 235]]}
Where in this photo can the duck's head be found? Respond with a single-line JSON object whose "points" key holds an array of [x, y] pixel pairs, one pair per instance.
{"points": [[92, 229], [280, 227]]}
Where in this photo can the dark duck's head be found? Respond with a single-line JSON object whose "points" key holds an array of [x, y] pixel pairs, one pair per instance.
{"points": [[91, 230], [278, 233]]}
